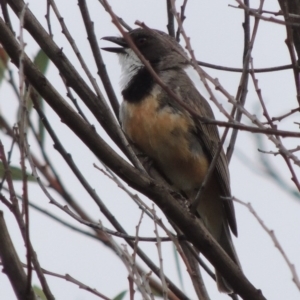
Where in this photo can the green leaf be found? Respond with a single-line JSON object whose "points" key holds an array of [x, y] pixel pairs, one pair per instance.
{"points": [[41, 132], [120, 296], [16, 173], [41, 60], [39, 293], [3, 63], [177, 263]]}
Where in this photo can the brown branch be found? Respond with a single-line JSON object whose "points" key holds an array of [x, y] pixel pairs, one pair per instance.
{"points": [[89, 26], [182, 18], [186, 251], [170, 25], [239, 70], [175, 239], [47, 16], [280, 118], [93, 225], [3, 4], [243, 85], [74, 101], [293, 37], [120, 20], [194, 230], [159, 251], [12, 266], [273, 237], [18, 216], [73, 280], [253, 119], [131, 288], [253, 13], [80, 58], [53, 179], [261, 100], [290, 166], [285, 155], [84, 219], [22, 136], [135, 197], [240, 126], [96, 106]]}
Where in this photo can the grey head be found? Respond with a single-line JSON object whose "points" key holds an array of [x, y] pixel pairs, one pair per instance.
{"points": [[160, 49]]}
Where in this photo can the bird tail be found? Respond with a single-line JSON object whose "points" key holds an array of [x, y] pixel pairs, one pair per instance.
{"points": [[226, 243]]}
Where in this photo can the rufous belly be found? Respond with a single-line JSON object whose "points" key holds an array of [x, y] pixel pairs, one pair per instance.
{"points": [[163, 134]]}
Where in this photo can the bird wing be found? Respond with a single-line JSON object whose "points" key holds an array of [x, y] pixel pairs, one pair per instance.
{"points": [[207, 134]]}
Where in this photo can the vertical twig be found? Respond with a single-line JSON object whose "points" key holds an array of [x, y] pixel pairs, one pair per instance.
{"points": [[242, 91], [182, 18], [290, 11], [22, 132], [273, 237], [89, 26], [161, 266], [47, 16], [5, 14], [170, 25], [12, 266]]}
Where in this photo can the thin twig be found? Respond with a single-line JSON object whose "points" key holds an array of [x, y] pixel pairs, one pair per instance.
{"points": [[89, 26], [94, 196], [219, 149], [280, 118], [18, 216], [239, 70], [120, 20], [182, 18], [253, 119], [9, 153], [135, 275], [135, 197], [170, 25], [158, 245], [47, 16], [5, 14], [285, 155], [290, 42], [23, 125], [242, 89], [11, 263], [73, 99], [240, 126], [273, 237], [71, 41], [136, 240], [253, 13], [71, 279]]}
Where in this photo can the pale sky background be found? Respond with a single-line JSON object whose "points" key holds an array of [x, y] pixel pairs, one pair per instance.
{"points": [[217, 37]]}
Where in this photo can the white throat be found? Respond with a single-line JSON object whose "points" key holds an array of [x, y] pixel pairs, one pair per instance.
{"points": [[130, 65]]}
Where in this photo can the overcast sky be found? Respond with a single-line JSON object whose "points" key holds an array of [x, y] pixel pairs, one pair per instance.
{"points": [[217, 37]]}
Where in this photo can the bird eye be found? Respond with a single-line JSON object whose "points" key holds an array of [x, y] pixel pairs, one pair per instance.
{"points": [[141, 41]]}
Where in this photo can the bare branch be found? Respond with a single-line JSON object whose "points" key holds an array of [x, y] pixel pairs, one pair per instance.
{"points": [[273, 237], [12, 266]]}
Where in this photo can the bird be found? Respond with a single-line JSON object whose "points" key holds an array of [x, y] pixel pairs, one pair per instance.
{"points": [[180, 146]]}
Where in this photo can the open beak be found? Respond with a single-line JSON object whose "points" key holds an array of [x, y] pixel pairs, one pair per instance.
{"points": [[117, 40]]}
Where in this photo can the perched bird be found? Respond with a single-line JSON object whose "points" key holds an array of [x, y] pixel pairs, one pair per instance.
{"points": [[180, 145]]}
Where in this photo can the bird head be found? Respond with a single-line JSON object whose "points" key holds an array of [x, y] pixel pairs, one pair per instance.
{"points": [[161, 50]]}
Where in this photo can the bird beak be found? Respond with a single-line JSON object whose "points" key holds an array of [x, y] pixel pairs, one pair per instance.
{"points": [[117, 40]]}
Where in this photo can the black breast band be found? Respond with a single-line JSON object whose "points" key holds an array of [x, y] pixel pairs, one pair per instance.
{"points": [[139, 86]]}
